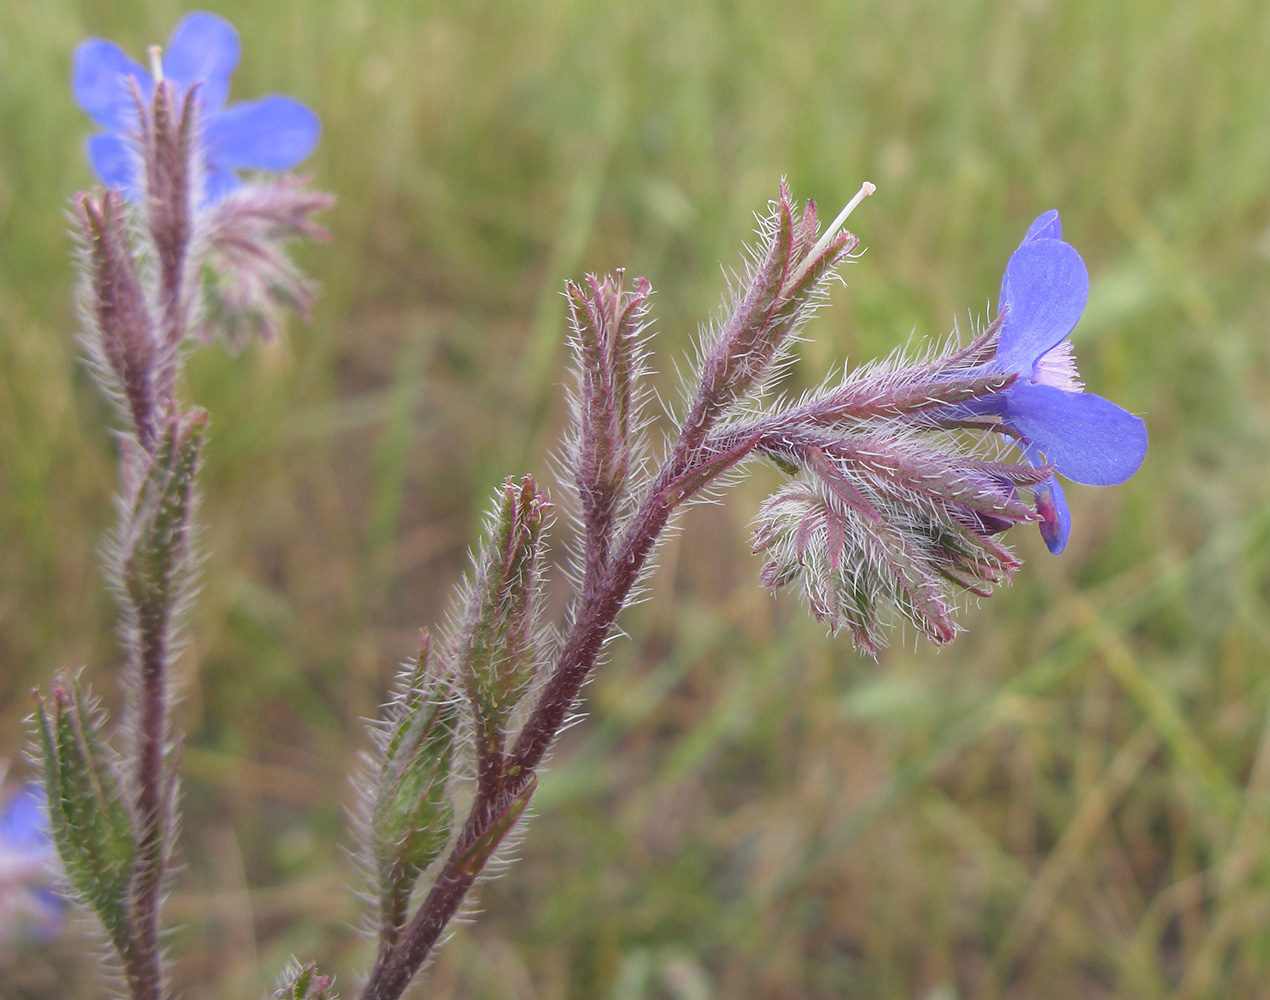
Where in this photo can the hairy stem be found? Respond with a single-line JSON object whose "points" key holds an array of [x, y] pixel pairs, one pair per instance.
{"points": [[595, 620], [142, 960], [763, 320]]}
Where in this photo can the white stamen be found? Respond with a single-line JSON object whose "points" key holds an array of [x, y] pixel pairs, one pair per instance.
{"points": [[1057, 368], [156, 62], [866, 189]]}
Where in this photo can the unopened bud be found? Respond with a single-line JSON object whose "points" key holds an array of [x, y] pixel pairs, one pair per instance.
{"points": [[87, 817], [497, 655], [167, 149], [157, 540], [302, 982], [121, 322], [411, 815]]}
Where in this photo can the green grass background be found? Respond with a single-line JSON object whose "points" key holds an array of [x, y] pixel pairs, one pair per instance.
{"points": [[1073, 800]]}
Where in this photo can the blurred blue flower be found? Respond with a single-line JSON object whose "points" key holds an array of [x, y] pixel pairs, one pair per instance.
{"points": [[1086, 438], [28, 868], [272, 133]]}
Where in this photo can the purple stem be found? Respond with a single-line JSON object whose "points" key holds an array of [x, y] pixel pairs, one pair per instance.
{"points": [[396, 966], [745, 347], [142, 961], [168, 148]]}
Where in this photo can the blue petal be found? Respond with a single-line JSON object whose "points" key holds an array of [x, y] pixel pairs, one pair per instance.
{"points": [[115, 162], [1086, 438], [24, 823], [99, 81], [1044, 227], [217, 184], [1056, 519], [204, 50], [273, 133], [1043, 294]]}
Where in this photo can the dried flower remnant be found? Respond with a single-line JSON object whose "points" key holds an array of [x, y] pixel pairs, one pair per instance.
{"points": [[271, 133], [885, 511], [251, 283], [876, 523], [1082, 436]]}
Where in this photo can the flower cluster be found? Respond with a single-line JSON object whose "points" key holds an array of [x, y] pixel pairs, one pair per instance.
{"points": [[891, 508]]}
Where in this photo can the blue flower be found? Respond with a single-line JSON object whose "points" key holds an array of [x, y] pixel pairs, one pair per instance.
{"points": [[1086, 438], [28, 868], [272, 133]]}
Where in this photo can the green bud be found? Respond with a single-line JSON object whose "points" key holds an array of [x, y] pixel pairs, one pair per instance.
{"points": [[412, 812], [88, 820], [159, 523], [497, 657], [302, 982]]}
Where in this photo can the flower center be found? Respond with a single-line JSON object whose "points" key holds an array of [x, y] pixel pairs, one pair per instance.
{"points": [[1057, 367]]}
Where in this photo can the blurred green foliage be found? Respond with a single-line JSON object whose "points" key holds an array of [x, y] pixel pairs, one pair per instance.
{"points": [[1072, 800]]}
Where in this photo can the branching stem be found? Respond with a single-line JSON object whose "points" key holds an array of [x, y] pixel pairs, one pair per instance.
{"points": [[604, 597]]}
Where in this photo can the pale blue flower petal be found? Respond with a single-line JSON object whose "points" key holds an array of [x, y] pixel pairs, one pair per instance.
{"points": [[1044, 227], [1042, 295], [114, 161], [1087, 438], [99, 81], [217, 184], [273, 133], [23, 822], [204, 49], [28, 867]]}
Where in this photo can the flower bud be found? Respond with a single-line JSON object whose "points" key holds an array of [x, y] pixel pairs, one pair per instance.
{"points": [[411, 813], [116, 315], [302, 982], [167, 147], [606, 325], [87, 816], [156, 543], [882, 523], [497, 650]]}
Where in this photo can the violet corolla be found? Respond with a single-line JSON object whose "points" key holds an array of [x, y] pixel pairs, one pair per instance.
{"points": [[1084, 437], [272, 133]]}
